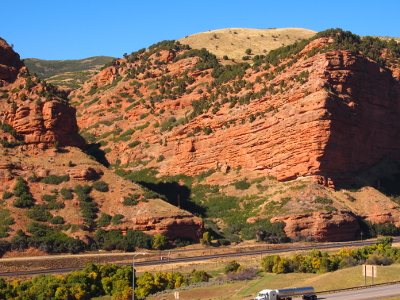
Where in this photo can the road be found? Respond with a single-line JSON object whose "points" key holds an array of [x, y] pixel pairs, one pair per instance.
{"points": [[183, 259], [365, 294]]}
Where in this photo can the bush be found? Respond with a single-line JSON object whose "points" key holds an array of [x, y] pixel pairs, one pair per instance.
{"points": [[54, 179], [7, 195], [133, 144], [233, 266], [116, 219], [54, 205], [243, 274], [39, 214], [199, 276], [48, 198], [83, 192], [57, 220], [104, 220], [329, 208], [8, 221], [66, 193], [323, 200], [181, 242], [131, 199], [100, 186], [160, 242], [242, 184], [33, 178]]}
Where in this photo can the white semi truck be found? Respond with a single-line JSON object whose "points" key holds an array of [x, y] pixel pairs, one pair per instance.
{"points": [[307, 293]]}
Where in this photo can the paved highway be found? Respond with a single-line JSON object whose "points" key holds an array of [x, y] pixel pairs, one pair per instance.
{"points": [[365, 294]]}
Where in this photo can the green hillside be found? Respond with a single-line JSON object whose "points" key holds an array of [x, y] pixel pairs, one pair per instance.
{"points": [[70, 74]]}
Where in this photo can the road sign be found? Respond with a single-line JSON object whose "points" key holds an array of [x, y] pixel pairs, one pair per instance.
{"points": [[370, 270]]}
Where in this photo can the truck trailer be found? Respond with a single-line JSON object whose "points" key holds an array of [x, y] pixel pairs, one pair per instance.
{"points": [[307, 293]]}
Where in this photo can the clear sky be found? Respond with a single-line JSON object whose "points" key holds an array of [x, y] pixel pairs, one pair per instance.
{"points": [[75, 29]]}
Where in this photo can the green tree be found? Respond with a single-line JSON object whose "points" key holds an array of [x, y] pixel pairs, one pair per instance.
{"points": [[206, 239], [248, 51], [232, 267], [160, 242]]}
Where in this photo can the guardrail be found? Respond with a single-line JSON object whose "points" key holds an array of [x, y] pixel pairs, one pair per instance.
{"points": [[361, 287]]}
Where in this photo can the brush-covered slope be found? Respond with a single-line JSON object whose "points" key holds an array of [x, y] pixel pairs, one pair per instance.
{"points": [[51, 191], [67, 74]]}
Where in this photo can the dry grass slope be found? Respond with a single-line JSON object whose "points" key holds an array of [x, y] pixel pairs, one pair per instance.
{"points": [[233, 42]]}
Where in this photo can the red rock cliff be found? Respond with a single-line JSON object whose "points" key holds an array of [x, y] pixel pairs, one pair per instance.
{"points": [[33, 108]]}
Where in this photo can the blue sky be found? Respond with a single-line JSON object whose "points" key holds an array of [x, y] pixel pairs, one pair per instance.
{"points": [[70, 29]]}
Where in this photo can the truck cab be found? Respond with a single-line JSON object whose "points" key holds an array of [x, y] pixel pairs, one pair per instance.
{"points": [[267, 295]]}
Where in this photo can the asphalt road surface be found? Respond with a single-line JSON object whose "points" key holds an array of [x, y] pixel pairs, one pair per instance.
{"points": [[365, 294]]}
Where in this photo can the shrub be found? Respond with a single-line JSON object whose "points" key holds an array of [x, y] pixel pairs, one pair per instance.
{"points": [[48, 198], [33, 178], [207, 130], [160, 242], [224, 242], [39, 214], [152, 195], [7, 195], [8, 221], [323, 200], [89, 210], [329, 208], [199, 276], [116, 219], [57, 220], [21, 191], [133, 144], [100, 186], [25, 200], [243, 274], [54, 205], [54, 179], [242, 184], [233, 266], [83, 192], [66, 193], [104, 220], [181, 242], [131, 199]]}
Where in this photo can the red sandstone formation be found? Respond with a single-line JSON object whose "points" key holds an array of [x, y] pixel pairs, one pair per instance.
{"points": [[321, 227], [32, 108], [341, 120]]}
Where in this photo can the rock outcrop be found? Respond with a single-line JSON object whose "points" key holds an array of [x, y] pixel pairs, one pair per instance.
{"points": [[45, 124], [36, 110], [321, 227]]}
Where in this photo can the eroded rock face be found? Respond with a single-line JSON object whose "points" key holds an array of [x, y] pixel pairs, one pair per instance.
{"points": [[321, 227], [32, 108], [342, 119], [159, 217], [186, 227], [46, 124]]}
